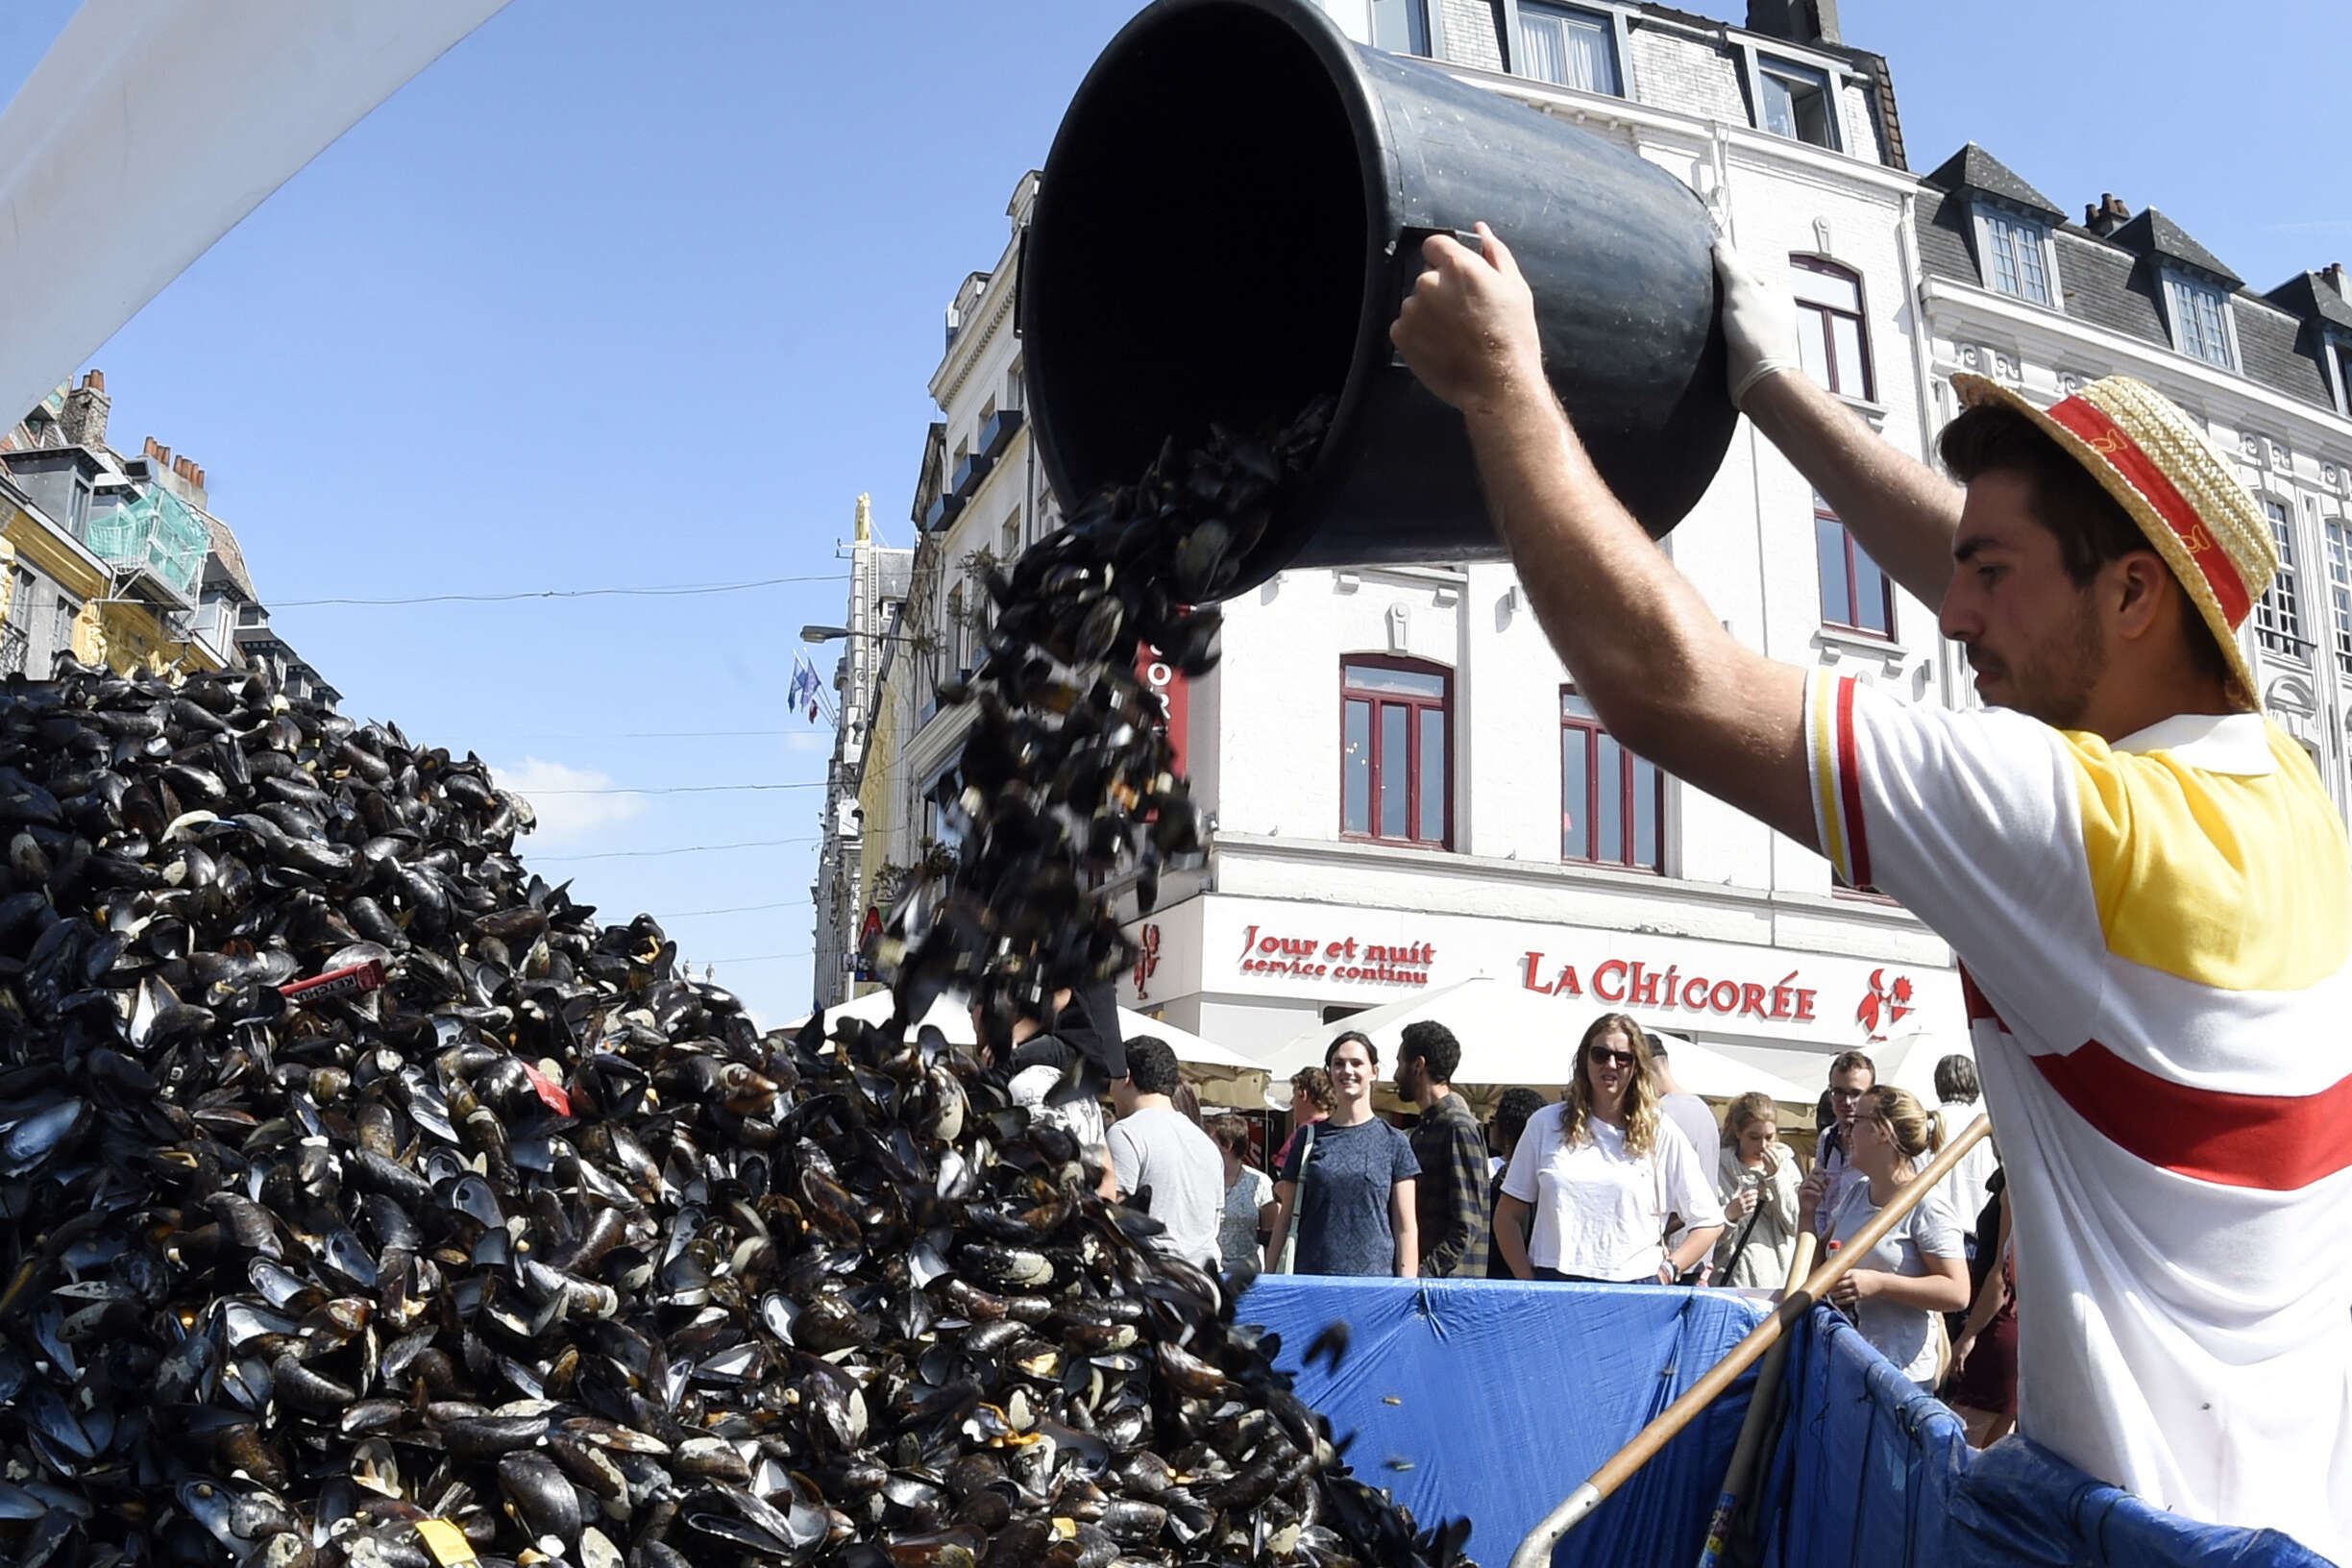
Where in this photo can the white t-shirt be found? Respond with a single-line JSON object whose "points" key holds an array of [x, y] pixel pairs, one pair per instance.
{"points": [[1904, 1334], [1159, 1148], [1964, 1190], [2155, 940], [1082, 1117], [1600, 1211]]}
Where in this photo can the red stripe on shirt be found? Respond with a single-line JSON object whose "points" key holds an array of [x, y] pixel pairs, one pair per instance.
{"points": [[1849, 786], [2279, 1143], [1973, 1002]]}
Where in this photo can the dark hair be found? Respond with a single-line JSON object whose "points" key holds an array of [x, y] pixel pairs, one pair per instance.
{"points": [[1435, 1045], [1315, 1084], [1231, 1132], [1371, 1051], [1151, 1065], [1956, 1079], [1848, 1061], [1512, 1111], [2090, 526]]}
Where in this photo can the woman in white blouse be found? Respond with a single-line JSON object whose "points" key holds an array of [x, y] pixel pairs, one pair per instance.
{"points": [[1606, 1174], [1756, 1175]]}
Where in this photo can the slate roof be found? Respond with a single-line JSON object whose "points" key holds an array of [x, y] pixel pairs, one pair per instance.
{"points": [[230, 554], [2152, 233], [2311, 297], [1972, 168], [2114, 283]]}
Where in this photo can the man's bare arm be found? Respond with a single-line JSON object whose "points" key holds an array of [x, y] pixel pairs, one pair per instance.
{"points": [[1643, 647], [1902, 511]]}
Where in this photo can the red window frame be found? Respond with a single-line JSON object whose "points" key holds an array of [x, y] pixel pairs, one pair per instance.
{"points": [[1827, 313], [1415, 707], [1629, 770], [1851, 618]]}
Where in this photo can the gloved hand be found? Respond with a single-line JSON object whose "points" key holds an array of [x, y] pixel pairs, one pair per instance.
{"points": [[1759, 322]]}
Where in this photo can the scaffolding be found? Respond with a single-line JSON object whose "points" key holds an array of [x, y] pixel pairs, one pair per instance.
{"points": [[156, 534]]}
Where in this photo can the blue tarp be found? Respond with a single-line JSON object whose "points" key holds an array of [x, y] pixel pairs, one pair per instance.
{"points": [[1493, 1400]]}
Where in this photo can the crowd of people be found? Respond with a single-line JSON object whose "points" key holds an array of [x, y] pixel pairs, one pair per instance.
{"points": [[1614, 1184], [1610, 1185]]}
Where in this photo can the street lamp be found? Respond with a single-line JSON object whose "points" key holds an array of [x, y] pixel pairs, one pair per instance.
{"points": [[823, 634]]}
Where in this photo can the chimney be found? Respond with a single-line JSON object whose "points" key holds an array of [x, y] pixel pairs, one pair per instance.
{"points": [[2334, 274], [2107, 214], [83, 418], [1798, 22]]}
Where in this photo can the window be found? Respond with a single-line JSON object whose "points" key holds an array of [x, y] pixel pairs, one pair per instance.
{"points": [[61, 635], [1831, 338], [2339, 589], [1854, 594], [2013, 248], [1795, 103], [1572, 48], [1394, 761], [2200, 320], [2278, 616], [1401, 26], [1610, 799], [1009, 546], [959, 641]]}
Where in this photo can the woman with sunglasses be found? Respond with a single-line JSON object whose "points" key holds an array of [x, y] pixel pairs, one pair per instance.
{"points": [[1606, 1174], [1919, 1270]]}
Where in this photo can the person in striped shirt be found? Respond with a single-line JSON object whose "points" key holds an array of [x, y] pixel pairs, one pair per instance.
{"points": [[2144, 881]]}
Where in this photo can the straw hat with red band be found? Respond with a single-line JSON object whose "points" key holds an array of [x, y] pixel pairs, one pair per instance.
{"points": [[2186, 497]]}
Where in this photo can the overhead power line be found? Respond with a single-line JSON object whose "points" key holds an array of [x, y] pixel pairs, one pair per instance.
{"points": [[755, 958], [652, 734], [681, 849], [683, 590], [736, 909]]}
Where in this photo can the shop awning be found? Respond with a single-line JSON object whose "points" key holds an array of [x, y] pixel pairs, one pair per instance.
{"points": [[1511, 1035]]}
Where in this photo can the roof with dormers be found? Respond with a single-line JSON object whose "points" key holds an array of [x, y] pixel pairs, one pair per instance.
{"points": [[2115, 280]]}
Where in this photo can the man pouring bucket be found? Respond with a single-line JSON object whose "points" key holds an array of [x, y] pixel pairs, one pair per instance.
{"points": [[2145, 882]]}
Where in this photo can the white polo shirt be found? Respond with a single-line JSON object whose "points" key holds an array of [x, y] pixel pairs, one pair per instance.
{"points": [[2156, 948]]}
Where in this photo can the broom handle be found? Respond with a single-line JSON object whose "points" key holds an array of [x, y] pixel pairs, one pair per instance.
{"points": [[1758, 1419], [1537, 1549]]}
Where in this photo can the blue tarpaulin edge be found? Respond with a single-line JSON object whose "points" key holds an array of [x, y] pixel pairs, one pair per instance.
{"points": [[1493, 1399]]}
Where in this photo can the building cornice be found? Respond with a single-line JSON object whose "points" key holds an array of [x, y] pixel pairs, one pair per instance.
{"points": [[2033, 328]]}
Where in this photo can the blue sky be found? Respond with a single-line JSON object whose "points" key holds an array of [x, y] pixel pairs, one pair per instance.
{"points": [[597, 303]]}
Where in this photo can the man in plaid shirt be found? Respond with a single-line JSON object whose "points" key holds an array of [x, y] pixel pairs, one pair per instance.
{"points": [[1450, 1199]]}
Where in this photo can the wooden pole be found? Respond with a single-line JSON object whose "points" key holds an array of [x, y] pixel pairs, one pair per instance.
{"points": [[1535, 1551], [1758, 1419]]}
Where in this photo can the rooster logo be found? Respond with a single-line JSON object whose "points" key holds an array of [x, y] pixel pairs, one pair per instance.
{"points": [[1884, 1005]]}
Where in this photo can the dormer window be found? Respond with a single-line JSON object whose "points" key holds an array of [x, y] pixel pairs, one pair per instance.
{"points": [[1796, 101], [2200, 315], [1569, 46], [2015, 256]]}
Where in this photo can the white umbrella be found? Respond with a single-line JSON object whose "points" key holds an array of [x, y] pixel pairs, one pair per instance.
{"points": [[1511, 1035], [1910, 1061]]}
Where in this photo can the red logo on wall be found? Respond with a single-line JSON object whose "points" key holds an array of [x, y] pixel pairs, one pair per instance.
{"points": [[1169, 686], [1147, 959], [1884, 1005]]}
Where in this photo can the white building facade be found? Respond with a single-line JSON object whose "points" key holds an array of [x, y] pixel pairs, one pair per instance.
{"points": [[1405, 791]]}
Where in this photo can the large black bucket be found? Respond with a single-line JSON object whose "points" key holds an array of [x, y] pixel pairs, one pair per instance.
{"points": [[1231, 215]]}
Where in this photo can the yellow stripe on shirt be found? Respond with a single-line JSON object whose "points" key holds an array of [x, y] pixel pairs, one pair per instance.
{"points": [[1825, 798], [2209, 876]]}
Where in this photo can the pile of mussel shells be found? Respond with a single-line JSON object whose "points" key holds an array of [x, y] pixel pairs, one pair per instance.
{"points": [[1066, 794], [538, 1253]]}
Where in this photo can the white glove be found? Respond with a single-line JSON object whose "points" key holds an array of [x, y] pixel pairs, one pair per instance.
{"points": [[1759, 322]]}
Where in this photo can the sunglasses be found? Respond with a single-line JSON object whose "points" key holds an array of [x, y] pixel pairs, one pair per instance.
{"points": [[1602, 1054]]}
